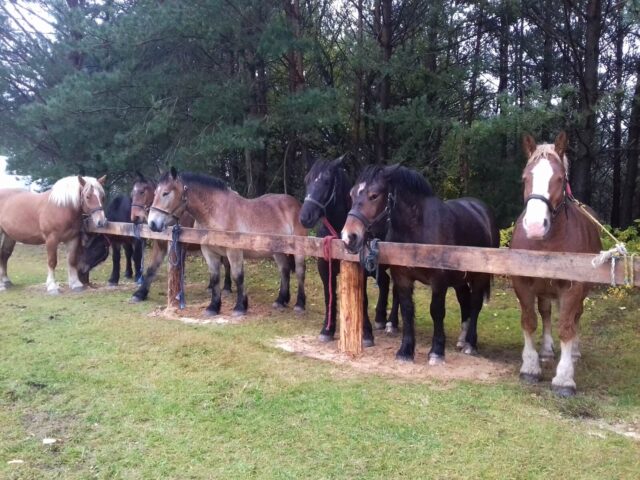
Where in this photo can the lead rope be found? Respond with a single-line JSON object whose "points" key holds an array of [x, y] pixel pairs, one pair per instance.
{"points": [[176, 249], [617, 252], [326, 250], [370, 261]]}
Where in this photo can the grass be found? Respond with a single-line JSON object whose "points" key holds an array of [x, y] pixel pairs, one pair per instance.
{"points": [[131, 396]]}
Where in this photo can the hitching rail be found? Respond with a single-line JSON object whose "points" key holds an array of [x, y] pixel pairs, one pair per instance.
{"points": [[503, 261]]}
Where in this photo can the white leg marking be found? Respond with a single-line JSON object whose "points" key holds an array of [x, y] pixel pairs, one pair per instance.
{"points": [[564, 370], [462, 338], [530, 360], [52, 286], [575, 353]]}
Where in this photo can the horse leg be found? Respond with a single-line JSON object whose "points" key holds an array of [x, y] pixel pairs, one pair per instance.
{"points": [[392, 321], [463, 294], [115, 268], [437, 310], [476, 300], [282, 260], [530, 370], [138, 253], [301, 268], [563, 384], [226, 288], [404, 288], [74, 247], [546, 349], [213, 260], [367, 331], [52, 261], [6, 249], [329, 325], [128, 253], [236, 261], [158, 252], [383, 282]]}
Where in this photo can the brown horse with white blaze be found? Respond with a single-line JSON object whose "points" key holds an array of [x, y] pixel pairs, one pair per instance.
{"points": [[552, 222], [50, 218], [215, 206]]}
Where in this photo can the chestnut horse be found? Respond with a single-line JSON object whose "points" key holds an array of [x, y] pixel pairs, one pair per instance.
{"points": [[551, 222], [215, 206], [50, 218], [397, 204], [327, 195], [141, 200]]}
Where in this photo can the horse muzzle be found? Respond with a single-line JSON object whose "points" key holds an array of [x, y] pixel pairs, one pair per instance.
{"points": [[309, 215]]}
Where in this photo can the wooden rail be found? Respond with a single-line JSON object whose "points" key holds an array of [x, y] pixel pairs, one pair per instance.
{"points": [[502, 261]]}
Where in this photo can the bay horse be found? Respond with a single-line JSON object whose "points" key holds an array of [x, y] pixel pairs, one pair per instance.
{"points": [[397, 204], [215, 206], [141, 200], [96, 249], [327, 195], [552, 222], [50, 218]]}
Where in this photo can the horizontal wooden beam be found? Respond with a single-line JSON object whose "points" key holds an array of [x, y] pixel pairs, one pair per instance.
{"points": [[503, 261]]}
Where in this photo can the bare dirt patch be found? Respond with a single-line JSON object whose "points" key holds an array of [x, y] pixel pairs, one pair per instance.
{"points": [[380, 360]]}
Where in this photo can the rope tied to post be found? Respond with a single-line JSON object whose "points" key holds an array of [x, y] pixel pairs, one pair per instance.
{"points": [[326, 251], [176, 250]]}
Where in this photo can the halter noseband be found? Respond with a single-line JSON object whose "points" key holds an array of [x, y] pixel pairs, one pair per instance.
{"points": [[554, 210], [144, 208], [383, 215], [182, 206], [323, 206]]}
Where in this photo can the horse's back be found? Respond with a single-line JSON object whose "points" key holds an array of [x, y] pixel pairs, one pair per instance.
{"points": [[119, 209], [474, 223], [21, 215], [276, 213]]}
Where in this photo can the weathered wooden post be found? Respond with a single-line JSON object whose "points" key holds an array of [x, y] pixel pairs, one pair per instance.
{"points": [[351, 300]]}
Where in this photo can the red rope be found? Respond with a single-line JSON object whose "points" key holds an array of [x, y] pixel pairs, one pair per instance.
{"points": [[326, 250]]}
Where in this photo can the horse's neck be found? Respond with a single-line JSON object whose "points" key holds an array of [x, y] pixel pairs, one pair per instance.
{"points": [[338, 209], [407, 218], [203, 204]]}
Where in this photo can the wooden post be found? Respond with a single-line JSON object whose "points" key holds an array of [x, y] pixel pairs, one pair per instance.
{"points": [[351, 302], [173, 279]]}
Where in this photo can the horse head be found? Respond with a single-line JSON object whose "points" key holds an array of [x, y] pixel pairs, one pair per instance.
{"points": [[320, 184], [141, 198], [169, 201], [92, 198], [545, 184]]}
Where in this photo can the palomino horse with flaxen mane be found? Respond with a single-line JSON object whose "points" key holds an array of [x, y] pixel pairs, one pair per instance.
{"points": [[553, 222], [215, 206], [327, 195], [50, 218], [397, 204]]}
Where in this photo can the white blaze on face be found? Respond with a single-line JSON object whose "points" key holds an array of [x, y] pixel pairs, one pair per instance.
{"points": [[537, 210], [361, 187]]}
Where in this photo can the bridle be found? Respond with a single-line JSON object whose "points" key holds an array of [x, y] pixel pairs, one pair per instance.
{"points": [[177, 212], [323, 206], [384, 215], [554, 210]]}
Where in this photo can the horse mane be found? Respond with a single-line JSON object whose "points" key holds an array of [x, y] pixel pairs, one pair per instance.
{"points": [[544, 150], [66, 191], [199, 179], [403, 179]]}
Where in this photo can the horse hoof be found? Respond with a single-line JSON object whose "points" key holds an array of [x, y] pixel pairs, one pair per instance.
{"points": [[367, 342], [380, 325], [278, 306], [53, 292], [298, 309], [436, 360], [210, 313], [468, 349], [7, 284], [112, 284], [135, 299], [529, 378], [325, 338], [404, 357], [390, 329], [78, 289], [563, 392], [238, 313], [460, 344]]}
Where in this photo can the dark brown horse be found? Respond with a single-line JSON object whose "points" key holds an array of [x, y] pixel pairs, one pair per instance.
{"points": [[217, 207], [141, 200], [551, 222], [397, 204], [50, 218]]}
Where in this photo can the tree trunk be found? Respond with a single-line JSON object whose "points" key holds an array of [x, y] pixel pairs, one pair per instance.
{"points": [[633, 156], [356, 127], [617, 122], [383, 13], [581, 170]]}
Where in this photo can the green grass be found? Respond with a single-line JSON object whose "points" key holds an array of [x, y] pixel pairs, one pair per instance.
{"points": [[132, 396]]}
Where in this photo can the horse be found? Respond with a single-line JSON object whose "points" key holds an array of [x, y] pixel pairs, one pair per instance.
{"points": [[50, 218], [96, 249], [327, 195], [398, 204], [551, 222], [215, 206], [141, 200]]}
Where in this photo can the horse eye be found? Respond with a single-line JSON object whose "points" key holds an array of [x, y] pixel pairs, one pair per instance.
{"points": [[164, 194], [373, 196]]}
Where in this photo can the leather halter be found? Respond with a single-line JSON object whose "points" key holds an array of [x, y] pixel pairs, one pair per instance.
{"points": [[144, 208], [554, 210], [383, 215], [182, 206], [323, 206]]}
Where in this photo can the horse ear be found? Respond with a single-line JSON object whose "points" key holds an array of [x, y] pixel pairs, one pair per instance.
{"points": [[561, 144], [528, 145], [174, 173], [140, 176], [102, 180], [81, 180], [338, 161], [390, 170]]}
